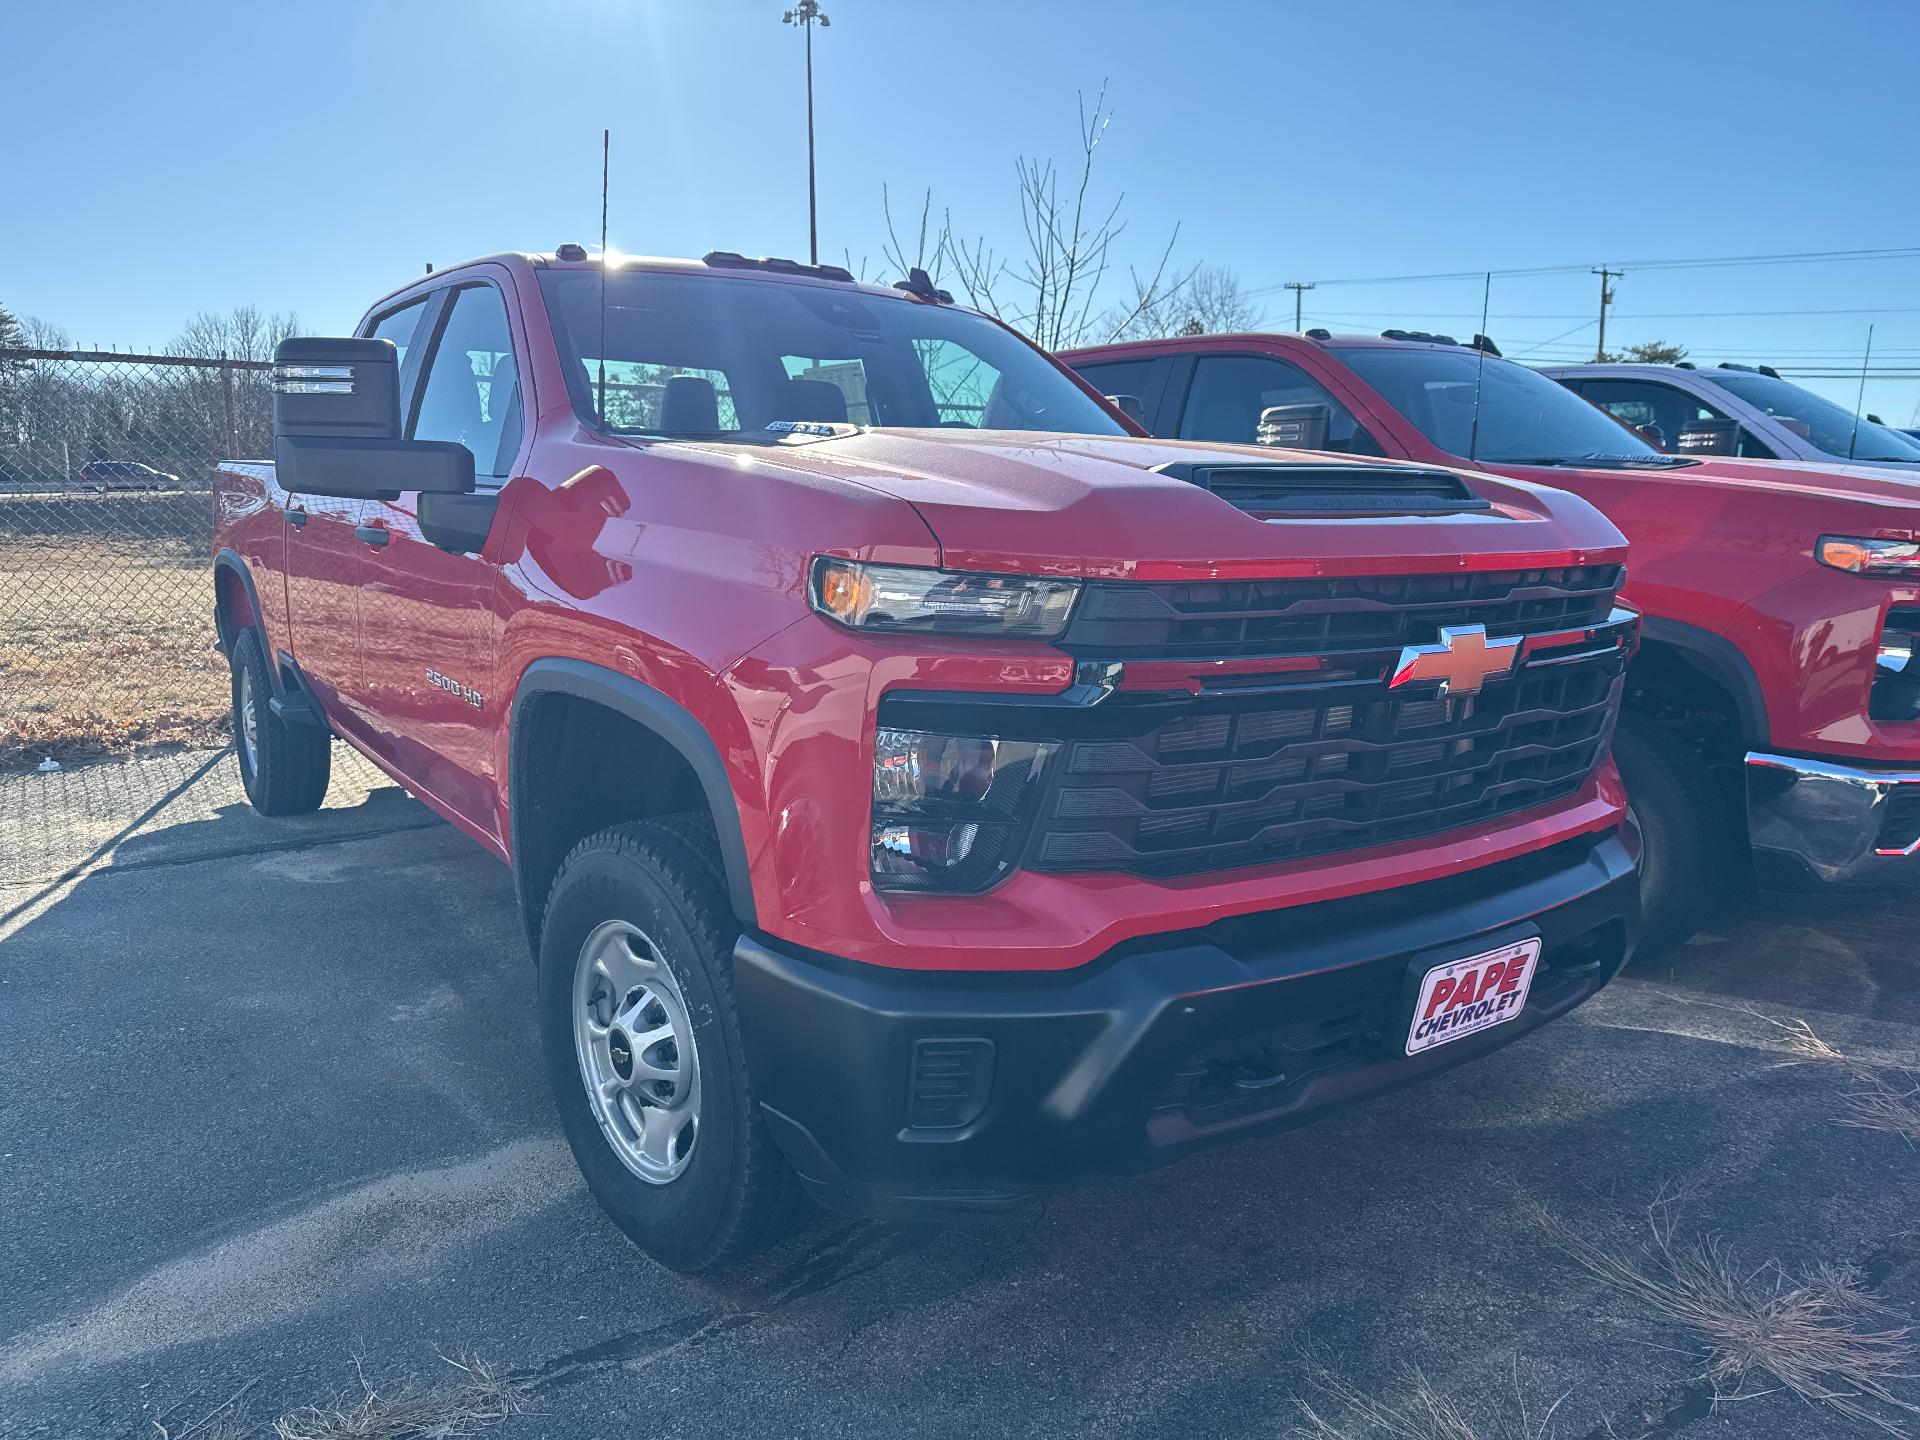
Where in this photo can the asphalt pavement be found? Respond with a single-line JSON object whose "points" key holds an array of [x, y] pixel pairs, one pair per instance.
{"points": [[271, 1118]]}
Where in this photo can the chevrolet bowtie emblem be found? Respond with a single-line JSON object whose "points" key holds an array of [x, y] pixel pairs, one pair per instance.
{"points": [[1462, 662]]}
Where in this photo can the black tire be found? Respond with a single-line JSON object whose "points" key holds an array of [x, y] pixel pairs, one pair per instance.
{"points": [[662, 878], [1688, 862], [285, 770]]}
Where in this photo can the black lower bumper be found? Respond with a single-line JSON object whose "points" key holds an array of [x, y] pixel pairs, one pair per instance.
{"points": [[910, 1095]]}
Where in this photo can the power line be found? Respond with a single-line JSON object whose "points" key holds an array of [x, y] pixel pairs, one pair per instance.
{"points": [[1798, 257], [1616, 314]]}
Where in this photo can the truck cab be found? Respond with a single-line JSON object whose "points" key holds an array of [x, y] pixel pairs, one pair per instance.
{"points": [[1750, 411], [1772, 725]]}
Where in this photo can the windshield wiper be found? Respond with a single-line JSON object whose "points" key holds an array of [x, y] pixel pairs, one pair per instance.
{"points": [[1600, 460]]}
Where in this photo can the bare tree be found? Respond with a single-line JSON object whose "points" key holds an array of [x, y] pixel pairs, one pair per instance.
{"points": [[243, 333], [44, 334], [1210, 302], [1051, 286]]}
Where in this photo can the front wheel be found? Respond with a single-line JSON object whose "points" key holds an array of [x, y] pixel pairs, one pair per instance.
{"points": [[1687, 863], [283, 767], [642, 1046]]}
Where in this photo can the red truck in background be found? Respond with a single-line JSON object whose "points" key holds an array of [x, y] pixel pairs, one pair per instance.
{"points": [[914, 781], [1773, 710]]}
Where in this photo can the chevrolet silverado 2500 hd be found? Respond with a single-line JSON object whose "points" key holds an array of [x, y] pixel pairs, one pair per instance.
{"points": [[917, 783], [1772, 720]]}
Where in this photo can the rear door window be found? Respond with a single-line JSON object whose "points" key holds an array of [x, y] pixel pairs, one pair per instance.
{"points": [[1228, 393], [1665, 409], [1142, 379]]}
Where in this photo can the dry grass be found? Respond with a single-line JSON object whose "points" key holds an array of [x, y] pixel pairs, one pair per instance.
{"points": [[1887, 1110], [481, 1396], [1879, 1104], [1345, 1412], [1824, 1335], [106, 646]]}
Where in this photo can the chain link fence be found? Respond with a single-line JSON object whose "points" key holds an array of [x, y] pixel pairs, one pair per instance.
{"points": [[106, 478]]}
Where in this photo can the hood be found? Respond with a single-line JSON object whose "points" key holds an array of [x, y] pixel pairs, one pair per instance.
{"points": [[1856, 484], [1093, 506]]}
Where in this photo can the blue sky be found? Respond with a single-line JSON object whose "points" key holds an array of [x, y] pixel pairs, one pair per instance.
{"points": [[164, 158]]}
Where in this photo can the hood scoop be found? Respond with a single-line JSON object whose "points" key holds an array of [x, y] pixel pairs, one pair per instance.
{"points": [[1325, 490]]}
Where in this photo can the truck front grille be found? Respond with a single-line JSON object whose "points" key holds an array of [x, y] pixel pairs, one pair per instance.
{"points": [[1252, 768]]}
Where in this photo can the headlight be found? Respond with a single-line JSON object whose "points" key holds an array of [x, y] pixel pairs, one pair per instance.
{"points": [[948, 809], [941, 602], [1894, 559]]}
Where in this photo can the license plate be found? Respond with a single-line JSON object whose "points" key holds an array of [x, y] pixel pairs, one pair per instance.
{"points": [[1465, 997]]}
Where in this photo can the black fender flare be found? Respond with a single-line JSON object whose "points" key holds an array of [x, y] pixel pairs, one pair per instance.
{"points": [[226, 559], [655, 712], [1721, 661]]}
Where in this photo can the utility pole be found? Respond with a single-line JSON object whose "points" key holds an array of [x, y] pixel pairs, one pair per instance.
{"points": [[1606, 299], [1298, 290], [804, 15]]}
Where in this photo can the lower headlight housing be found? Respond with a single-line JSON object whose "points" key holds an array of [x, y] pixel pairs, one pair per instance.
{"points": [[949, 810]]}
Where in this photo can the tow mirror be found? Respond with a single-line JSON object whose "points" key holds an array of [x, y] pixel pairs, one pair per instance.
{"points": [[1709, 437], [1131, 407], [336, 425], [1295, 427]]}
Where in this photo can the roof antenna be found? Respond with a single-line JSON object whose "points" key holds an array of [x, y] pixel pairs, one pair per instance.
{"points": [[600, 406], [1480, 370], [1861, 400]]}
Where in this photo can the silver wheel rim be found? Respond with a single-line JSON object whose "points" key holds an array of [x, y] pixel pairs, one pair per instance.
{"points": [[638, 1059], [249, 721]]}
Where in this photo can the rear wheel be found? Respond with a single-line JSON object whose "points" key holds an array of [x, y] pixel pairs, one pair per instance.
{"points": [[1688, 861], [283, 767], [642, 1046]]}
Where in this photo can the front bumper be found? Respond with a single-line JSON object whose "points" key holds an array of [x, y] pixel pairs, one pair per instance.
{"points": [[913, 1094], [1815, 824]]}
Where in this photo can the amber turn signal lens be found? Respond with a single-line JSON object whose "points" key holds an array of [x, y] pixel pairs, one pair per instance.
{"points": [[1894, 559], [844, 590]]}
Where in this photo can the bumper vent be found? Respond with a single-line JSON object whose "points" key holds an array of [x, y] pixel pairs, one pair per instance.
{"points": [[1333, 489]]}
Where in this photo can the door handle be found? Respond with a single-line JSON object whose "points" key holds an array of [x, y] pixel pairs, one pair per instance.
{"points": [[372, 534], [296, 516]]}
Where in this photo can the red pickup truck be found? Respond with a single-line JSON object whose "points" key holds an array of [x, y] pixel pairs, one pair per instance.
{"points": [[915, 781], [1773, 712]]}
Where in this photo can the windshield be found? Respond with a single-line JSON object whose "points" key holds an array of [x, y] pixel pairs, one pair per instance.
{"points": [[1829, 426], [1525, 418], [727, 356]]}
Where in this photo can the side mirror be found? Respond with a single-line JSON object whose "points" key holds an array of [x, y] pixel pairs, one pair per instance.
{"points": [[1653, 435], [1800, 427], [1295, 427], [1709, 437], [1131, 407], [336, 425]]}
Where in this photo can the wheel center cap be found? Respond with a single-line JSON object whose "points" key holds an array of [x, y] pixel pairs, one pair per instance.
{"points": [[621, 1050]]}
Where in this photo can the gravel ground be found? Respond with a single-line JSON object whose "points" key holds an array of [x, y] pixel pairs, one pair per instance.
{"points": [[271, 1118]]}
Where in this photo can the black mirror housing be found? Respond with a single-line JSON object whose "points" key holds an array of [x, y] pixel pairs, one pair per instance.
{"points": [[337, 425], [1295, 427], [1131, 407], [329, 387]]}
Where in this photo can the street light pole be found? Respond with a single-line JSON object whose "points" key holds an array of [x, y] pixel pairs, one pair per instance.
{"points": [[804, 14]]}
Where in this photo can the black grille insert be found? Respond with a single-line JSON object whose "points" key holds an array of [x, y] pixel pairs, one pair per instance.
{"points": [[1234, 618], [1330, 759]]}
